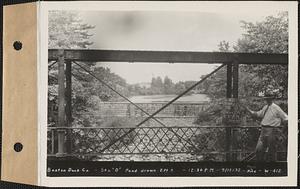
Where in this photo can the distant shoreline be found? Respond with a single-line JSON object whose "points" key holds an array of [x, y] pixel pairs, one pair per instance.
{"points": [[191, 98]]}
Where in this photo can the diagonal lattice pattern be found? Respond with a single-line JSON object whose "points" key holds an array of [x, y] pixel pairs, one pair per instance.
{"points": [[206, 141], [143, 140]]}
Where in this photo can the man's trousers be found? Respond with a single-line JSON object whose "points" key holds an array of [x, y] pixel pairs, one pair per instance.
{"points": [[266, 144]]}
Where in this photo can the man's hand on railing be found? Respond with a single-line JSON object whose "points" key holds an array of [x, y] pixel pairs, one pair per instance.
{"points": [[248, 109]]}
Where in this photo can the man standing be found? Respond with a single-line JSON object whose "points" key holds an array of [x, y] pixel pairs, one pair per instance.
{"points": [[272, 117]]}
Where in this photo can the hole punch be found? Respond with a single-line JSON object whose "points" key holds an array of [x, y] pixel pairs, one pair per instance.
{"points": [[18, 147], [17, 45]]}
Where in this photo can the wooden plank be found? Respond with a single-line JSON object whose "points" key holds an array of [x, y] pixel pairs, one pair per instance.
{"points": [[168, 56]]}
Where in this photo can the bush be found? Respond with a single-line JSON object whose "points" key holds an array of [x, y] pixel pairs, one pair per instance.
{"points": [[203, 117], [119, 122], [208, 142], [93, 140], [212, 115]]}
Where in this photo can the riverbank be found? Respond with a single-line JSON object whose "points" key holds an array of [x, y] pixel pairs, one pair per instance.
{"points": [[192, 98]]}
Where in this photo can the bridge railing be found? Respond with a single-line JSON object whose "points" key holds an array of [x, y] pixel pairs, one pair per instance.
{"points": [[205, 142]]}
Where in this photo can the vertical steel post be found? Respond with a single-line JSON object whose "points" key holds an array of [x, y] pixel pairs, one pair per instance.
{"points": [[68, 96], [235, 90], [52, 141], [128, 110], [61, 104], [229, 81], [235, 83], [228, 96]]}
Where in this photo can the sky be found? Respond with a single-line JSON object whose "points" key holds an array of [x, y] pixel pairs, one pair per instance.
{"points": [[165, 30]]}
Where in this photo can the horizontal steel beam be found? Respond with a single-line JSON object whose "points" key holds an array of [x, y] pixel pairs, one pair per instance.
{"points": [[160, 127], [89, 55]]}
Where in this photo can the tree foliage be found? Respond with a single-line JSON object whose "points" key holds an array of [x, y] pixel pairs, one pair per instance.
{"points": [[224, 46], [67, 31], [267, 36], [159, 86]]}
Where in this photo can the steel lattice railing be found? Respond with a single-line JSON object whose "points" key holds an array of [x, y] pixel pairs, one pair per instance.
{"points": [[209, 142]]}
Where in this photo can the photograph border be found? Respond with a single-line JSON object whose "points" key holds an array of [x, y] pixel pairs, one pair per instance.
{"points": [[290, 180]]}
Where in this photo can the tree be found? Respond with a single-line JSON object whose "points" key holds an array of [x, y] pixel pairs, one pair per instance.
{"points": [[168, 86], [224, 46], [67, 31], [113, 80], [215, 85], [157, 86], [179, 87], [267, 36]]}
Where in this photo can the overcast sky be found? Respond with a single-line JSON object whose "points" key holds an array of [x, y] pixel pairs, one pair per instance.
{"points": [[153, 30]]}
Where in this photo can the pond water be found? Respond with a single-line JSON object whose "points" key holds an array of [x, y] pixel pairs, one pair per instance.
{"points": [[193, 98]]}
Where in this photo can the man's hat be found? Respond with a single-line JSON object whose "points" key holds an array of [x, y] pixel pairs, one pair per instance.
{"points": [[269, 95], [271, 92]]}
